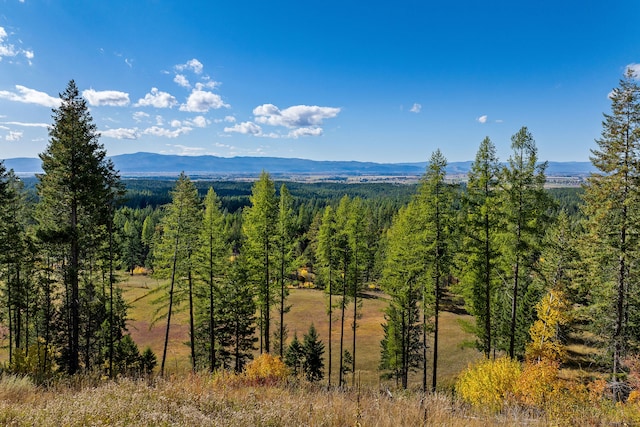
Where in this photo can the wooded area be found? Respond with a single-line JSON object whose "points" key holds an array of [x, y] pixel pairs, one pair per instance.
{"points": [[228, 253]]}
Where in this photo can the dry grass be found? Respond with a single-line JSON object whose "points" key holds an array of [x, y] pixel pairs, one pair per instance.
{"points": [[226, 400], [201, 400], [307, 306], [138, 292]]}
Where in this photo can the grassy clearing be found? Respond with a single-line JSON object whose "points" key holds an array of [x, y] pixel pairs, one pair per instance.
{"points": [[307, 306]]}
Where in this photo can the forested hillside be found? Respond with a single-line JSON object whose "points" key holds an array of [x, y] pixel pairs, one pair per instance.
{"points": [[541, 271]]}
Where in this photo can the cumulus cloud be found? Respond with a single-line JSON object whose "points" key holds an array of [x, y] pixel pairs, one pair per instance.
{"points": [[229, 119], [30, 96], [634, 69], [166, 133], [209, 84], [14, 136], [305, 132], [157, 99], [246, 128], [193, 65], [139, 116], [201, 101], [9, 50], [482, 119], [182, 80], [121, 133], [112, 98], [199, 121], [297, 116], [416, 108]]}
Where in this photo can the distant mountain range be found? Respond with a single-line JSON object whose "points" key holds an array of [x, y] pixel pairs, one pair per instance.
{"points": [[151, 164]]}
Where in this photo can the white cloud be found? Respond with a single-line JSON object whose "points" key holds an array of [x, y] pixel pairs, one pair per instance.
{"points": [[482, 119], [185, 150], [121, 133], [9, 50], [182, 80], [112, 98], [201, 101], [159, 120], [28, 125], [193, 65], [157, 99], [305, 132], [229, 119], [634, 69], [416, 108], [30, 96], [199, 121], [295, 116], [246, 128], [166, 133], [14, 136], [210, 84], [139, 116]]}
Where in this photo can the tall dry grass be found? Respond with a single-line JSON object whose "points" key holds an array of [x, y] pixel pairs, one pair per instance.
{"points": [[223, 400]]}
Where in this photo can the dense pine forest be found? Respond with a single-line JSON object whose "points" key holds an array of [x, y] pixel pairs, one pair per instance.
{"points": [[538, 270]]}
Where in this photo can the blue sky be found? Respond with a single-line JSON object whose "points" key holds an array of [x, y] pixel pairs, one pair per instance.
{"points": [[334, 80]]}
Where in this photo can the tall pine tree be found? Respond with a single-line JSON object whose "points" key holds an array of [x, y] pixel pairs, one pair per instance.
{"points": [[611, 206], [259, 226], [479, 254], [525, 211], [76, 192], [175, 255]]}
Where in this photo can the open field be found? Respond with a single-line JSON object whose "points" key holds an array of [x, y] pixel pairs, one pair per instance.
{"points": [[307, 306]]}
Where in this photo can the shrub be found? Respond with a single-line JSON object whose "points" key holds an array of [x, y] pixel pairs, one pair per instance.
{"points": [[537, 384], [266, 369], [140, 271], [489, 384], [39, 362]]}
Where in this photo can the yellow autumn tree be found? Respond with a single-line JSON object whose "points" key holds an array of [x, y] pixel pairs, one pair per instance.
{"points": [[554, 310]]}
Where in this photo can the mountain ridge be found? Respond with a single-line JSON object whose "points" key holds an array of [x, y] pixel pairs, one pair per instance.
{"points": [[143, 163]]}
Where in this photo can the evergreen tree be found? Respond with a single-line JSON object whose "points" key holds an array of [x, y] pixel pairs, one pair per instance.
{"points": [[356, 230], [328, 258], [175, 254], [526, 207], [480, 251], [435, 198], [213, 254], [402, 279], [259, 226], [16, 261], [611, 199], [294, 356], [77, 190], [313, 349], [344, 260], [237, 317], [284, 245]]}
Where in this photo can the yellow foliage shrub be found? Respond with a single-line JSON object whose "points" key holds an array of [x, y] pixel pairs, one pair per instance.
{"points": [[538, 383], [140, 271], [489, 384], [266, 369], [634, 397]]}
